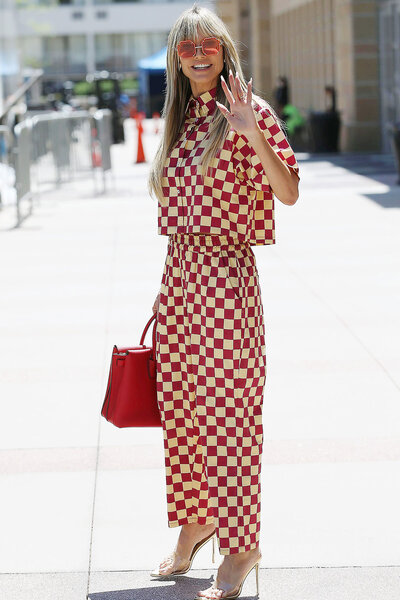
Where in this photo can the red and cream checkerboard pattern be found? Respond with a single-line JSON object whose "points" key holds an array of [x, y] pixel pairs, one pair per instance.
{"points": [[211, 370], [237, 198]]}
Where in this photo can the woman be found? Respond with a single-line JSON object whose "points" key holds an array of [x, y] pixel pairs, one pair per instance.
{"points": [[214, 202]]}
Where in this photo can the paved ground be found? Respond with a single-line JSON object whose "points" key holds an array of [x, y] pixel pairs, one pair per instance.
{"points": [[82, 273]]}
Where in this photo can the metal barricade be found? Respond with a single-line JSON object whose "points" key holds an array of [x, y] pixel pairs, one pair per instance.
{"points": [[61, 146], [55, 148], [5, 143], [23, 132]]}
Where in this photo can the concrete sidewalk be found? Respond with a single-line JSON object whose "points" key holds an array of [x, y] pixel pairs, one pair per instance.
{"points": [[82, 273]]}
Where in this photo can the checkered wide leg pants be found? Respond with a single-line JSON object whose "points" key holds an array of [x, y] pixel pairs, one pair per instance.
{"points": [[211, 370]]}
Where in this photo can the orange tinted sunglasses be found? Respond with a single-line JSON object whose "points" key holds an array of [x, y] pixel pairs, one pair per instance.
{"points": [[209, 46]]}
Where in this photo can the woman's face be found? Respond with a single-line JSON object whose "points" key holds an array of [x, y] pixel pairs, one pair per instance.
{"points": [[202, 79]]}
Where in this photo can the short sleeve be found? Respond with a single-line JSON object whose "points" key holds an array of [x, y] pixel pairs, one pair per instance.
{"points": [[246, 162]]}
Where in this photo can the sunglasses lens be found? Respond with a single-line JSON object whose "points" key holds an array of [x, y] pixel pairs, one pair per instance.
{"points": [[186, 49], [210, 46]]}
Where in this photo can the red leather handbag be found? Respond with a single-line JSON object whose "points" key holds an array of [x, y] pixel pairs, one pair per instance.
{"points": [[131, 396]]}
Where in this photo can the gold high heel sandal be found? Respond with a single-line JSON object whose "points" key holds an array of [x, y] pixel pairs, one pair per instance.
{"points": [[193, 554], [235, 594]]}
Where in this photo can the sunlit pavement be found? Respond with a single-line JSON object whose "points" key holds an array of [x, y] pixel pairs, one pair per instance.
{"points": [[81, 274]]}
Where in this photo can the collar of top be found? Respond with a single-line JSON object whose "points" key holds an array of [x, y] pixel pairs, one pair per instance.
{"points": [[203, 105]]}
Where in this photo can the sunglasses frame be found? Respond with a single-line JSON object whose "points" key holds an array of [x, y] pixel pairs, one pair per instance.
{"points": [[201, 46]]}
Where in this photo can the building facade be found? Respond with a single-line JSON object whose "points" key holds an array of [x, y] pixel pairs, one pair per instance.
{"points": [[352, 45], [389, 26], [70, 38], [316, 43]]}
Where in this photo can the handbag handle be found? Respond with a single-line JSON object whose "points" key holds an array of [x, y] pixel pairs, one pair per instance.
{"points": [[145, 331]]}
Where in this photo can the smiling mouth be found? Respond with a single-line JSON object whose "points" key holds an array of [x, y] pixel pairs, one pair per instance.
{"points": [[200, 67]]}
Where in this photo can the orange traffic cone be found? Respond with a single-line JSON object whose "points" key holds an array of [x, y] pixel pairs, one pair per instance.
{"points": [[140, 151]]}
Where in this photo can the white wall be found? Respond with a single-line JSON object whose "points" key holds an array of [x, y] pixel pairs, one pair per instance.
{"points": [[119, 18]]}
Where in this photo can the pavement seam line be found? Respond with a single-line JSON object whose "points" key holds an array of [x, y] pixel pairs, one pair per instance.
{"points": [[107, 330]]}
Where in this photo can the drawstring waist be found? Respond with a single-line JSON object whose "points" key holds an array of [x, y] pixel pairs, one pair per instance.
{"points": [[205, 239]]}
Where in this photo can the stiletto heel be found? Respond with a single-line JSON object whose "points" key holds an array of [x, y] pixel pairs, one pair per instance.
{"points": [[236, 594], [193, 554], [258, 592], [213, 549]]}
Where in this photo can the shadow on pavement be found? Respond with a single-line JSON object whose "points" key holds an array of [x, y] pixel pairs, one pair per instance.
{"points": [[173, 589], [390, 199], [380, 167]]}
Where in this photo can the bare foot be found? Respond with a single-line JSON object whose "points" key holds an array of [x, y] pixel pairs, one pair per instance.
{"points": [[190, 534], [231, 573]]}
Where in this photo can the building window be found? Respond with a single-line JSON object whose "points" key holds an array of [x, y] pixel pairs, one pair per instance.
{"points": [[64, 55], [121, 52]]}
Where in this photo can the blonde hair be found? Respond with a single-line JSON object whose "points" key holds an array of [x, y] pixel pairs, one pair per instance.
{"points": [[193, 21]]}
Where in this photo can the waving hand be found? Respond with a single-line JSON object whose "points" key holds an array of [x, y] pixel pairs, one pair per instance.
{"points": [[241, 115]]}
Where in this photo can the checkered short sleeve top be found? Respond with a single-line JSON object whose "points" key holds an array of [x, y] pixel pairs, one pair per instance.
{"points": [[236, 199]]}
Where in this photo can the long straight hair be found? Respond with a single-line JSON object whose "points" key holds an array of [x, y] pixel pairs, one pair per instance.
{"points": [[193, 21]]}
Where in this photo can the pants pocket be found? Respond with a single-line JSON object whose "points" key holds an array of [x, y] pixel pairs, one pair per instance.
{"points": [[240, 270], [231, 266]]}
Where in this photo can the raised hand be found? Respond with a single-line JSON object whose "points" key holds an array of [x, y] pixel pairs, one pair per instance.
{"points": [[241, 115]]}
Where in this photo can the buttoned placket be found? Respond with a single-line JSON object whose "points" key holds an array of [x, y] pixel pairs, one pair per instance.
{"points": [[182, 203], [199, 114], [181, 172]]}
